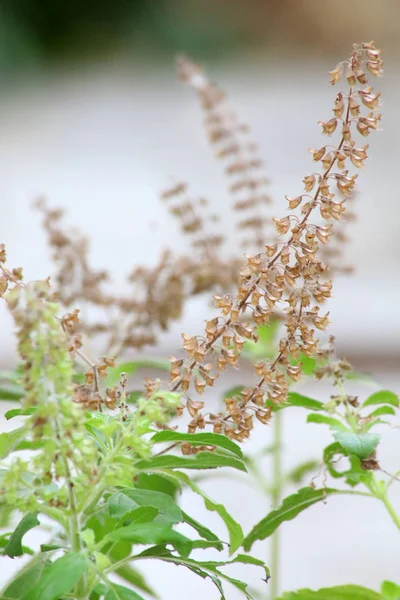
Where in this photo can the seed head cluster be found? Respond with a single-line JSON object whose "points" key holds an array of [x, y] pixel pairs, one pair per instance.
{"points": [[232, 143], [157, 293], [288, 273]]}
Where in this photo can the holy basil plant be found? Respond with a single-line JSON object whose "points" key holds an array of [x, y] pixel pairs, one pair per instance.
{"points": [[104, 485]]}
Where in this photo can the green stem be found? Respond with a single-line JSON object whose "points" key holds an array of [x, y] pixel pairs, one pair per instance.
{"points": [[53, 513], [93, 499], [380, 491], [391, 510], [74, 529], [276, 494]]}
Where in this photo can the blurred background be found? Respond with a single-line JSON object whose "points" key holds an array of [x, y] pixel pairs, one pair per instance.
{"points": [[92, 117]]}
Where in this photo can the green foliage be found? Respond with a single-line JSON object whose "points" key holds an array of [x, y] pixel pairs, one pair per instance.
{"points": [[14, 545], [121, 503], [342, 592], [199, 439], [234, 392], [325, 420], [297, 474], [265, 346], [101, 479], [234, 529], [291, 507], [390, 591], [361, 444], [10, 392], [295, 399], [382, 397], [60, 577], [203, 460], [119, 592]]}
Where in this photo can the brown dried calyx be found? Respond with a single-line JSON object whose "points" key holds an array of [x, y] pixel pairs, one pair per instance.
{"points": [[158, 293], [289, 272], [232, 143]]}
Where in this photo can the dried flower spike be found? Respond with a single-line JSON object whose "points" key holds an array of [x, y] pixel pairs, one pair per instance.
{"points": [[291, 272], [230, 139]]}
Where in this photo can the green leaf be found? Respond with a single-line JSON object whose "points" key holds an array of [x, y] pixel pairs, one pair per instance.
{"points": [[60, 577], [198, 439], [211, 569], [25, 549], [119, 592], [16, 412], [234, 529], [289, 509], [102, 524], [366, 378], [203, 460], [119, 550], [297, 474], [134, 396], [266, 345], [25, 581], [382, 410], [235, 391], [203, 531], [119, 505], [132, 576], [30, 445], [139, 515], [308, 364], [127, 500], [51, 547], [333, 423], [342, 592], [8, 375], [14, 546], [390, 591], [354, 475], [11, 392], [6, 512], [382, 397], [195, 567], [151, 533], [330, 453], [295, 399], [158, 483], [10, 440], [361, 444]]}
